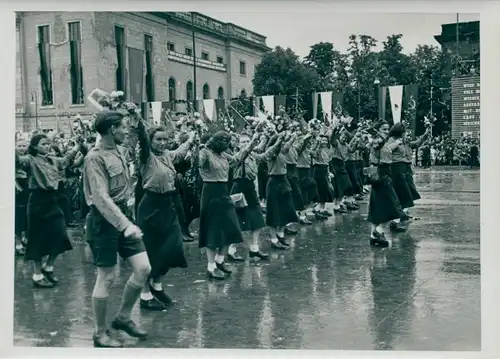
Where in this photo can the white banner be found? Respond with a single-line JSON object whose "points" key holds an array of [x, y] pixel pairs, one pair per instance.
{"points": [[209, 106], [156, 111], [396, 96], [268, 102], [326, 104], [315, 104]]}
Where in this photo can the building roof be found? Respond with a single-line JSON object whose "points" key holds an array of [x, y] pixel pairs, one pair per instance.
{"points": [[466, 31], [215, 27]]}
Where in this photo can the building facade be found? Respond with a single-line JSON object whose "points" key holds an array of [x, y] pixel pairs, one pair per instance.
{"points": [[63, 56], [462, 45]]}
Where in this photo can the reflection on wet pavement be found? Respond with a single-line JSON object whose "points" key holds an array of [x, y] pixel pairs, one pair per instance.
{"points": [[329, 291]]}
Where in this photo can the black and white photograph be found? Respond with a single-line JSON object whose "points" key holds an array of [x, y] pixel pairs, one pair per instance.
{"points": [[215, 179]]}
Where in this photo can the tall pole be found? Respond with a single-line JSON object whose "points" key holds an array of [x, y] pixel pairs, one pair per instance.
{"points": [[456, 46], [359, 102], [432, 114], [296, 101], [194, 62]]}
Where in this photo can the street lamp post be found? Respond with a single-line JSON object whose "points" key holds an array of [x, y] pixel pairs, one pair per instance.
{"points": [[377, 83], [34, 98], [359, 102]]}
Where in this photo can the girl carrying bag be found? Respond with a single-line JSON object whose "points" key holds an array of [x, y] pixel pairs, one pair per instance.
{"points": [[239, 199]]}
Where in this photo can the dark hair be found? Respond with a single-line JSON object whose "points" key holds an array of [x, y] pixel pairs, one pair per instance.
{"points": [[35, 140], [397, 130], [380, 124], [205, 138], [219, 142], [105, 120]]}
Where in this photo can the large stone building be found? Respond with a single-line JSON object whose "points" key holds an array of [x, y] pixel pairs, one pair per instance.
{"points": [[121, 50], [465, 52]]}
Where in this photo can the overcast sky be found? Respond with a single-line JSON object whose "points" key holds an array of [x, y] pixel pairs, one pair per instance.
{"points": [[299, 32]]}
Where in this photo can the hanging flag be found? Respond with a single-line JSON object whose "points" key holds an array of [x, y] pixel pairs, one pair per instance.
{"points": [[410, 105], [209, 109], [338, 103], [136, 74], [268, 102], [382, 102], [315, 104], [156, 108], [279, 101], [326, 104], [396, 96]]}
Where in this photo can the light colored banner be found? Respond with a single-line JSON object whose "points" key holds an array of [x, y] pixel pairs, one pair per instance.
{"points": [[156, 111], [326, 104], [268, 102], [396, 96], [209, 106]]}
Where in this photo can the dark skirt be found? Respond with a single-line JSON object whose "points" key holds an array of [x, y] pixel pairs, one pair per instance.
{"points": [[325, 193], [84, 208], [279, 210], [157, 217], [20, 214], [400, 184], [250, 217], [341, 183], [411, 184], [219, 225], [62, 197], [384, 205], [308, 186], [46, 233], [293, 178], [262, 178], [352, 172], [361, 176]]}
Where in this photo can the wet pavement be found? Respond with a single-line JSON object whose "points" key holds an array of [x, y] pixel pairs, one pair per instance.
{"points": [[329, 291]]}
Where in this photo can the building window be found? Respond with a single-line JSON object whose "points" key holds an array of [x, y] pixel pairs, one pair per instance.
{"points": [[47, 98], [189, 91], [243, 68], [220, 93], [150, 86], [243, 93], [220, 60], [170, 46], [75, 57], [120, 58], [188, 51], [204, 56], [171, 90], [206, 92]]}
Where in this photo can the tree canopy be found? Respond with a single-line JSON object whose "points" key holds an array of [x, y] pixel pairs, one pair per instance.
{"points": [[354, 72]]}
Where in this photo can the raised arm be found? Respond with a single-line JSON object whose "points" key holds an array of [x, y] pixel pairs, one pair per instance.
{"points": [[181, 152], [419, 141]]}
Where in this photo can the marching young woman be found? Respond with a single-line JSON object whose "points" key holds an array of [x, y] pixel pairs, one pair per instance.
{"points": [[219, 225], [291, 160], [351, 156], [107, 188], [398, 173], [156, 213], [22, 195], [46, 225], [408, 169], [342, 185], [280, 210], [321, 157], [384, 205], [308, 187], [244, 175]]}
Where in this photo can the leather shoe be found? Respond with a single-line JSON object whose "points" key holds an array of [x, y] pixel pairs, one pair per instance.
{"points": [[104, 340], [129, 327], [216, 274], [224, 268], [235, 258]]}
